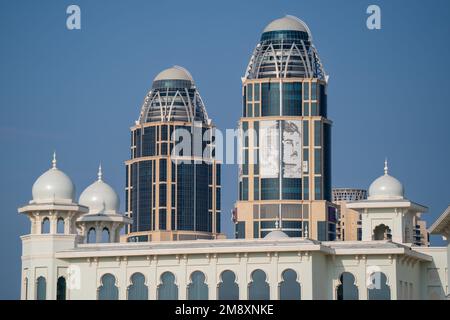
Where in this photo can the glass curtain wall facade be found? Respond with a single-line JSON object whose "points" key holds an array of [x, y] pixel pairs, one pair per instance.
{"points": [[172, 196], [285, 174]]}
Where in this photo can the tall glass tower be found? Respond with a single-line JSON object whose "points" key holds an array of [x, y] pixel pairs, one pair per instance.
{"points": [[285, 175], [172, 195]]}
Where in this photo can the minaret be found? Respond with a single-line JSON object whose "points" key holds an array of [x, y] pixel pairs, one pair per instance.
{"points": [[286, 137], [103, 222], [172, 196], [52, 213]]}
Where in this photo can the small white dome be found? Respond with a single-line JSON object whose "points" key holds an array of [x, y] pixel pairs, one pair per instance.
{"points": [[100, 197], [287, 23], [276, 234], [174, 73], [386, 187], [53, 185]]}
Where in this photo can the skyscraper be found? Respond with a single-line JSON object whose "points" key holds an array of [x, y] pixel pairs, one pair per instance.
{"points": [[172, 196], [285, 175]]}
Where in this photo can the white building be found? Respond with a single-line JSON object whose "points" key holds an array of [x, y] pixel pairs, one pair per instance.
{"points": [[63, 257]]}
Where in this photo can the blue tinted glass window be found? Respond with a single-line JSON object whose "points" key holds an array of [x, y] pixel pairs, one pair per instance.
{"points": [[317, 161], [314, 111], [292, 99], [256, 92], [317, 133], [270, 189], [318, 188], [256, 229], [240, 230], [313, 91], [292, 188], [162, 195], [162, 219], [245, 189], [250, 92], [305, 133], [306, 188], [256, 188], [270, 99]]}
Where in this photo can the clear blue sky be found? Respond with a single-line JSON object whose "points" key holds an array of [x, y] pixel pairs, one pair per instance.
{"points": [[79, 91]]}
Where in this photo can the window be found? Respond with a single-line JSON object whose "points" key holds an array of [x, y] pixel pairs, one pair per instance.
{"points": [[347, 290], [105, 235], [289, 287], [305, 133], [270, 99], [317, 161], [318, 188], [313, 91], [197, 288], [245, 189], [381, 232], [167, 290], [317, 134], [250, 92], [228, 289], [306, 90], [60, 226], [240, 230], [108, 289], [378, 288], [91, 236], [45, 226], [61, 289], [256, 92], [292, 188], [137, 290], [41, 288], [258, 288], [292, 99], [270, 189]]}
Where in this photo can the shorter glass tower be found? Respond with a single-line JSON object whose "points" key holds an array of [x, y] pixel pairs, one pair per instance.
{"points": [[173, 195]]}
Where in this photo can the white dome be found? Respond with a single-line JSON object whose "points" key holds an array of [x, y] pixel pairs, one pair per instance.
{"points": [[100, 197], [53, 185], [174, 73], [276, 234], [386, 187], [287, 23]]}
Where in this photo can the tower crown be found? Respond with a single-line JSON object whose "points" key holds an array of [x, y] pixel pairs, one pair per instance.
{"points": [[285, 50], [173, 97]]}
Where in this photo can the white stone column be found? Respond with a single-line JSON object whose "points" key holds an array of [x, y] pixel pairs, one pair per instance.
{"points": [[242, 278], [98, 233], [53, 222], [182, 278], [272, 275], [212, 278]]}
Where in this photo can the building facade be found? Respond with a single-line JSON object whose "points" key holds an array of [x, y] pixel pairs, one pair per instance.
{"points": [[285, 146], [349, 221], [60, 263], [171, 195]]}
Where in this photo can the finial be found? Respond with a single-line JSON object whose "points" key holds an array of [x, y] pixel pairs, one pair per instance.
{"points": [[385, 166], [100, 174], [306, 231], [277, 224], [54, 160]]}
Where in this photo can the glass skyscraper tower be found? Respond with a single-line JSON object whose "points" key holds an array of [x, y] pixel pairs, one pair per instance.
{"points": [[172, 196], [285, 175]]}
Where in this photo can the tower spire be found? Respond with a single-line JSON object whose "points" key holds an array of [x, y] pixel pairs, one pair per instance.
{"points": [[54, 160], [100, 174], [385, 166]]}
